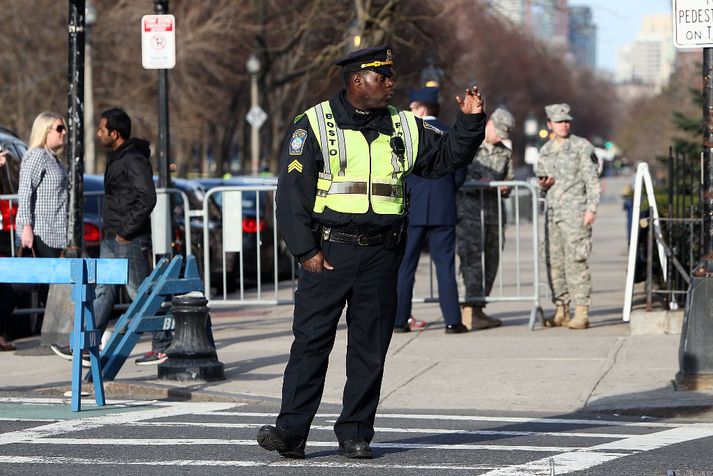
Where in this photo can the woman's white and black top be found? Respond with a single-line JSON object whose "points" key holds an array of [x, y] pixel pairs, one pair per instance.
{"points": [[42, 196]]}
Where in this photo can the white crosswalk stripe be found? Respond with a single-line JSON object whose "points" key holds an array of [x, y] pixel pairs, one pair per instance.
{"points": [[450, 443]]}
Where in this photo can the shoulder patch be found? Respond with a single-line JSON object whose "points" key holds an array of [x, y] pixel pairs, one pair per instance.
{"points": [[297, 142], [294, 165], [435, 129]]}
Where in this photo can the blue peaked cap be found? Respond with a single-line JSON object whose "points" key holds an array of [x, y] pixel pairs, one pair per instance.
{"points": [[426, 95]]}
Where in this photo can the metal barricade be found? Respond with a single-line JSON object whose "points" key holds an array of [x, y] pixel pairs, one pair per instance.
{"points": [[239, 253], [247, 248], [510, 285], [167, 217]]}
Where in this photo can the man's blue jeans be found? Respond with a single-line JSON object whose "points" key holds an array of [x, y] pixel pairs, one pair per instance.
{"points": [[138, 252]]}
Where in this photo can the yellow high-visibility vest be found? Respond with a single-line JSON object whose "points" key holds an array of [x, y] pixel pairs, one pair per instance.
{"points": [[357, 174]]}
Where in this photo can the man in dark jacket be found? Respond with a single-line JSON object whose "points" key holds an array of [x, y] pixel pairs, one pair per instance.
{"points": [[129, 199]]}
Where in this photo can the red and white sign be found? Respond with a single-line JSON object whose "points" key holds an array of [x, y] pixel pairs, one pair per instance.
{"points": [[158, 41]]}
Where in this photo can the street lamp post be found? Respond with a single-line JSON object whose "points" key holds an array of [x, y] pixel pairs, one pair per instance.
{"points": [[253, 67], [695, 354], [75, 119], [90, 19], [431, 75]]}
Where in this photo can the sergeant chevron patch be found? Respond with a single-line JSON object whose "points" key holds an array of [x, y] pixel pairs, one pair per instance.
{"points": [[294, 165]]}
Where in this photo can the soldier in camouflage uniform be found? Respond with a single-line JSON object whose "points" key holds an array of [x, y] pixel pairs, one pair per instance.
{"points": [[567, 171], [478, 239]]}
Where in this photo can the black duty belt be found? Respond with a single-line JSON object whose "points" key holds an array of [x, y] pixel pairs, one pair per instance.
{"points": [[388, 237]]}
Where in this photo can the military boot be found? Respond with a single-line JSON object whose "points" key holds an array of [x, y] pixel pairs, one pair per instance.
{"points": [[560, 317], [581, 318], [466, 316], [483, 321]]}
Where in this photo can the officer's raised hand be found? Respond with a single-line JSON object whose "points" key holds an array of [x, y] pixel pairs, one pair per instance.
{"points": [[472, 103], [316, 263]]}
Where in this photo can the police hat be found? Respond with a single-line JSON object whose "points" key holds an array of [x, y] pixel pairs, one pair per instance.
{"points": [[426, 95], [377, 58], [558, 112]]}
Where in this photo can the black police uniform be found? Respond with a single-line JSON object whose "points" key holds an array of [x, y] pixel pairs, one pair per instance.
{"points": [[364, 275]]}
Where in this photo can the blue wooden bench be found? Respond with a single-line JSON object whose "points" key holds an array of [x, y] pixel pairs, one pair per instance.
{"points": [[84, 274]]}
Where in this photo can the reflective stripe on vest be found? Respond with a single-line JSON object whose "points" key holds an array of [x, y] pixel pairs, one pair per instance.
{"points": [[359, 183]]}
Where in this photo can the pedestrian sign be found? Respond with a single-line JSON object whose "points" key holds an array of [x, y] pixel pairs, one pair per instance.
{"points": [[256, 116], [692, 23], [158, 41]]}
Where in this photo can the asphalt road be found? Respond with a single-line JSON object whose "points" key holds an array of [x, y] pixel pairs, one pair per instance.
{"points": [[42, 436]]}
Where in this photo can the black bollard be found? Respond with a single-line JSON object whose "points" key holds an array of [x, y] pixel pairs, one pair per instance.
{"points": [[192, 354]]}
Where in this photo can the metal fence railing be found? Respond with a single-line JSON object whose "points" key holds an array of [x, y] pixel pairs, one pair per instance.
{"points": [[244, 261]]}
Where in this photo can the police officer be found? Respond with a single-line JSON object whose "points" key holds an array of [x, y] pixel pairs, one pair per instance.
{"points": [[567, 171], [478, 221], [341, 210], [432, 215]]}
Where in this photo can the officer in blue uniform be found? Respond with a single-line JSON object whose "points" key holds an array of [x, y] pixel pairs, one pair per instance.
{"points": [[432, 216], [341, 210]]}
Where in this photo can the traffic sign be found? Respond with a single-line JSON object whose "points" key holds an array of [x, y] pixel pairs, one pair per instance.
{"points": [[692, 23], [158, 41], [256, 116]]}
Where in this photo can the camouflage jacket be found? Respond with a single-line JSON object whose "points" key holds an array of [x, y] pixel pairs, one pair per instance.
{"points": [[492, 162], [575, 170]]}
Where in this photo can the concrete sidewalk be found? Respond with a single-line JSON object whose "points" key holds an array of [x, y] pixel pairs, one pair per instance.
{"points": [[509, 369]]}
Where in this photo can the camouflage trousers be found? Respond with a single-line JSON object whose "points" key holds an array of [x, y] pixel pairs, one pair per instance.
{"points": [[567, 246], [479, 257]]}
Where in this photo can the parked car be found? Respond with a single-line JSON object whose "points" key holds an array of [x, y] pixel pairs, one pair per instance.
{"points": [[9, 180], [251, 225]]}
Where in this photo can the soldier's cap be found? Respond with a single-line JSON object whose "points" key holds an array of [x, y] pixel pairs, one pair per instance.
{"points": [[503, 122], [377, 58], [426, 95], [558, 112]]}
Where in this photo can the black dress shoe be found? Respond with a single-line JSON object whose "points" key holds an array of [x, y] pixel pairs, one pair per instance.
{"points": [[456, 329], [404, 328], [355, 448], [281, 440]]}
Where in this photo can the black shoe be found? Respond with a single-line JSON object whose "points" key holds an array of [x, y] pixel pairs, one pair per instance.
{"points": [[456, 329], [404, 328], [281, 440], [355, 448]]}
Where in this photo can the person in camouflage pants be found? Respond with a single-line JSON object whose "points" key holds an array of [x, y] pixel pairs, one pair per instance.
{"points": [[478, 228], [568, 173]]}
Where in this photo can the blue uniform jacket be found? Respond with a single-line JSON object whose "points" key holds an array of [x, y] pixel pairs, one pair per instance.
{"points": [[432, 202]]}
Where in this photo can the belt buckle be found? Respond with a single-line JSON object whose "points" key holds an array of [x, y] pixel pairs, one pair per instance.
{"points": [[362, 240]]}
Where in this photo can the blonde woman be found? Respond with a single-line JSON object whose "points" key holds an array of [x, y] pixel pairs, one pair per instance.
{"points": [[42, 212]]}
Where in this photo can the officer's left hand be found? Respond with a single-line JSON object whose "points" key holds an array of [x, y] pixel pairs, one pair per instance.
{"points": [[589, 218], [473, 103]]}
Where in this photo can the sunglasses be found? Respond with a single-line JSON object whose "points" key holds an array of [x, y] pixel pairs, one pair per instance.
{"points": [[60, 129]]}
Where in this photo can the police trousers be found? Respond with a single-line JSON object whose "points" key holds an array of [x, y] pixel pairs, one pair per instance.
{"points": [[364, 279]]}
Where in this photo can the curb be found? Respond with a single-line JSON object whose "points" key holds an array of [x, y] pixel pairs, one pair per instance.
{"points": [[145, 391]]}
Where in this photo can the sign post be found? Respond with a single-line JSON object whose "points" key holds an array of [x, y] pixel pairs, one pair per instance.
{"points": [[693, 28], [158, 51]]}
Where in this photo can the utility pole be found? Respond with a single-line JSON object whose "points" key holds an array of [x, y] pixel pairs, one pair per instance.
{"points": [[75, 122], [161, 8]]}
